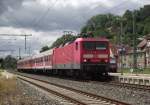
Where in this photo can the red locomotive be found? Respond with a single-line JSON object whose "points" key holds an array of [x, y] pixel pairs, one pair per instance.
{"points": [[85, 57]]}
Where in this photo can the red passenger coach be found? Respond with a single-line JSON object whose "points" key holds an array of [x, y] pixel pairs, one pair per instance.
{"points": [[42, 61], [84, 57], [39, 62], [25, 64]]}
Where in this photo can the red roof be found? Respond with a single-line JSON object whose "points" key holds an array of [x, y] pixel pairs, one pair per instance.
{"points": [[142, 43]]}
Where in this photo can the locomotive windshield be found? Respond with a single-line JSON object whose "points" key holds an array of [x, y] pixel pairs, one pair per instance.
{"points": [[94, 45]]}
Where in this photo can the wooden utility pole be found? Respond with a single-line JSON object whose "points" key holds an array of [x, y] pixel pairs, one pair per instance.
{"points": [[121, 53], [134, 43]]}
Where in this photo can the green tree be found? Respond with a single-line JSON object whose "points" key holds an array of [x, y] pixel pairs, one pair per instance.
{"points": [[9, 62], [109, 25], [146, 29], [45, 48], [1, 61], [144, 12], [105, 25], [63, 39]]}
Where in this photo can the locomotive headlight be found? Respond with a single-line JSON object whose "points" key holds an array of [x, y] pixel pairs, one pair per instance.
{"points": [[85, 60], [102, 56], [106, 60], [88, 55]]}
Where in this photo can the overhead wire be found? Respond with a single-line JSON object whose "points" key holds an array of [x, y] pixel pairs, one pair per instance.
{"points": [[16, 20], [106, 10], [114, 7], [36, 21], [84, 17]]}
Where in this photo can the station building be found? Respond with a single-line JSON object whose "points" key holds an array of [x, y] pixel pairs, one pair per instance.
{"points": [[142, 55]]}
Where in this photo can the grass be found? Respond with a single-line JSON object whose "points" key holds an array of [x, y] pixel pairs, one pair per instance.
{"points": [[139, 71], [7, 84], [10, 94], [1, 70], [7, 89]]}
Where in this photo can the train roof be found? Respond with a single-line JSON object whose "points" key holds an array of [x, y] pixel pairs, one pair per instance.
{"points": [[25, 59], [45, 53], [84, 39], [92, 39], [48, 52]]}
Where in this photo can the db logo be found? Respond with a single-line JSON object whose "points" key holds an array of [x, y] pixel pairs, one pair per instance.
{"points": [[95, 56]]}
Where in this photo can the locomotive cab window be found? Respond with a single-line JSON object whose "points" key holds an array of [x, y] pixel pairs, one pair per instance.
{"points": [[89, 45], [94, 45], [101, 46]]}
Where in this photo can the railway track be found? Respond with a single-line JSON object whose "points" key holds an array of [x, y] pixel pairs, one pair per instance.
{"points": [[125, 85], [133, 86], [71, 95]]}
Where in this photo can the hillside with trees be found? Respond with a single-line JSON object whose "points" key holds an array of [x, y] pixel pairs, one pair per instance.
{"points": [[109, 25]]}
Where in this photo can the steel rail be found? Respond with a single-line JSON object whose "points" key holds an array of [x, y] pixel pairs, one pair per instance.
{"points": [[134, 86], [55, 93], [127, 85]]}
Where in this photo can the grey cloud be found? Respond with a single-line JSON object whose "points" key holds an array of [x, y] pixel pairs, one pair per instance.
{"points": [[56, 18], [13, 13], [5, 5], [13, 47], [64, 18]]}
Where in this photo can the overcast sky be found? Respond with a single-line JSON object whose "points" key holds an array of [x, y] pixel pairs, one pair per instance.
{"points": [[47, 19]]}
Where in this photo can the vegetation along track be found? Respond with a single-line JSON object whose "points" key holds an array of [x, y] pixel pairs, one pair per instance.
{"points": [[72, 95]]}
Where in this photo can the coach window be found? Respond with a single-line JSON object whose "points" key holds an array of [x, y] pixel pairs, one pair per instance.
{"points": [[76, 46], [49, 58], [45, 58]]}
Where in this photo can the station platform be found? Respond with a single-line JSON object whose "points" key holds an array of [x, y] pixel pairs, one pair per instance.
{"points": [[141, 79]]}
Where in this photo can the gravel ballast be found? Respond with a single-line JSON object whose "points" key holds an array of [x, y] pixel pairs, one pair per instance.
{"points": [[134, 97], [36, 95], [13, 91]]}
